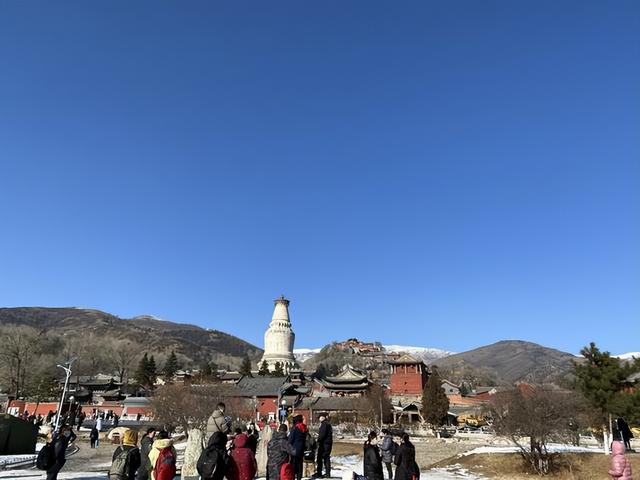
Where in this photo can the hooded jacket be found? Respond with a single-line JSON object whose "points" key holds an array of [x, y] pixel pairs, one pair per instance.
{"points": [[620, 465], [278, 452], [129, 445], [243, 463], [297, 438], [155, 452]]}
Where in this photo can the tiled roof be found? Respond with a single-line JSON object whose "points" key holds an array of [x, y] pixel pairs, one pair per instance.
{"points": [[261, 386]]}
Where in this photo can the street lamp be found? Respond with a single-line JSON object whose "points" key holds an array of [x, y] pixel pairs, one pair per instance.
{"points": [[67, 368]]}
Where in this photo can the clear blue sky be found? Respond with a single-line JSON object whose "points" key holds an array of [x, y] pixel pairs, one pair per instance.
{"points": [[439, 174]]}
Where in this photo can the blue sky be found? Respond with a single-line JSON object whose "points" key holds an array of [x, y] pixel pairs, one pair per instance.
{"points": [[439, 174]]}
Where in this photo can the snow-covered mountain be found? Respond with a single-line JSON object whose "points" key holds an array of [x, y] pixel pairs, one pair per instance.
{"points": [[628, 356], [427, 354], [424, 353], [304, 354]]}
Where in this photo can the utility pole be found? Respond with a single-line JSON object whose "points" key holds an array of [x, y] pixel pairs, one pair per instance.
{"points": [[67, 368]]}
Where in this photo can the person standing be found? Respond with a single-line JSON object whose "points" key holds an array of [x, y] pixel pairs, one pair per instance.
{"points": [[243, 461], [372, 464], [388, 450], [145, 449], [163, 458], [60, 443], [625, 432], [93, 437], [620, 465], [298, 439], [279, 451], [325, 445], [126, 458], [217, 421], [405, 460], [214, 461]]}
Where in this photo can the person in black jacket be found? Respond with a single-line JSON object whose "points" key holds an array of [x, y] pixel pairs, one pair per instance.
{"points": [[214, 460], [145, 448], [405, 460], [325, 444], [372, 467], [60, 443], [297, 439]]}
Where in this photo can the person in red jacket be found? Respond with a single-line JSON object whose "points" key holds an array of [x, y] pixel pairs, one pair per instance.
{"points": [[243, 464]]}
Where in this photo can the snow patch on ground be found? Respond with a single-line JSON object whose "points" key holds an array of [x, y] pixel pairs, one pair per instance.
{"points": [[552, 448]]}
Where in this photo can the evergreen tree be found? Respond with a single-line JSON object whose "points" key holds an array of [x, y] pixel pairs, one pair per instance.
{"points": [[602, 380], [205, 370], [245, 368], [278, 371], [264, 368], [321, 371], [435, 404], [214, 371], [142, 372], [171, 366], [152, 372]]}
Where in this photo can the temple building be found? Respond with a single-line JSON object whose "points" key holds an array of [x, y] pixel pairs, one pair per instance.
{"points": [[349, 382], [279, 339], [408, 376]]}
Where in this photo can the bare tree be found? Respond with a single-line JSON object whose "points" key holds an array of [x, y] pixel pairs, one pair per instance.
{"points": [[19, 346], [122, 354], [536, 416]]}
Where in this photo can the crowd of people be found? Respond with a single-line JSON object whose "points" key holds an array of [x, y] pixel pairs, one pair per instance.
{"points": [[248, 452]]}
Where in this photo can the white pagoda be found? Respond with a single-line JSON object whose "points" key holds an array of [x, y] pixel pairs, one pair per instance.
{"points": [[279, 338]]}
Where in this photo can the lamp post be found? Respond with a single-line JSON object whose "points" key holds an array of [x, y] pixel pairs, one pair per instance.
{"points": [[67, 368]]}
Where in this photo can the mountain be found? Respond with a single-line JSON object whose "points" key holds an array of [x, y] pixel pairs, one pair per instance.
{"points": [[304, 354], [507, 362], [628, 356], [426, 354], [151, 334]]}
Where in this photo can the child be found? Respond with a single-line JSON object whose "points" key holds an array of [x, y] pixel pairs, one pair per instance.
{"points": [[620, 465]]}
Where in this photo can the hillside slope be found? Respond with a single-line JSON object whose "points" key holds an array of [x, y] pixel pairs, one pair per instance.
{"points": [[192, 342], [507, 362]]}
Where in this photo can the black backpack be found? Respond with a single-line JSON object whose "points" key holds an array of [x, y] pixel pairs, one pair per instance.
{"points": [[46, 457], [212, 463], [310, 445]]}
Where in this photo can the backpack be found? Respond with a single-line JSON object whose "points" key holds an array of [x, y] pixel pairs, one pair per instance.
{"points": [[119, 470], [165, 468], [309, 447], [212, 462], [287, 472], [46, 457]]}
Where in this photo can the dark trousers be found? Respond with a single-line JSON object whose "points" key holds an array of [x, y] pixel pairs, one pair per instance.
{"points": [[93, 442], [389, 470], [52, 473], [298, 463], [324, 458]]}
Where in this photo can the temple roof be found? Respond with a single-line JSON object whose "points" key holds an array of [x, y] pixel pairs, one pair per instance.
{"points": [[349, 378], [406, 359], [261, 386]]}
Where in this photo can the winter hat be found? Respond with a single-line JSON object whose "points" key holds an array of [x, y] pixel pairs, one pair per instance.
{"points": [[130, 437]]}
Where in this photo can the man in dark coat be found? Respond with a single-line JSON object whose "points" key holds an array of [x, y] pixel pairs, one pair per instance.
{"points": [[214, 461], [372, 464], [325, 444], [625, 432], [297, 439], [279, 451], [145, 448], [406, 466], [387, 449], [60, 443]]}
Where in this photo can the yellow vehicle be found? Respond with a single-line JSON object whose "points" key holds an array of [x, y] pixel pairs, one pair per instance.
{"points": [[472, 419]]}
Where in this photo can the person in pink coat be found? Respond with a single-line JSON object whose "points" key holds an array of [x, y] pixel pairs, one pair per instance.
{"points": [[620, 465]]}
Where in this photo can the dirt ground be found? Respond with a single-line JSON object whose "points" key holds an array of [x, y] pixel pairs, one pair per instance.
{"points": [[568, 466]]}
